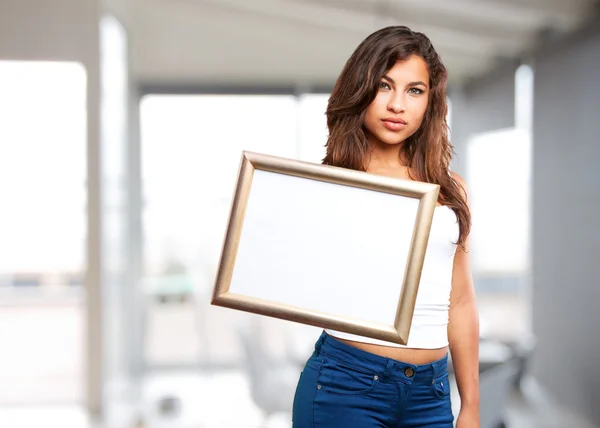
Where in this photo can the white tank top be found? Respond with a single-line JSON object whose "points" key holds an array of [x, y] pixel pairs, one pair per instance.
{"points": [[429, 328]]}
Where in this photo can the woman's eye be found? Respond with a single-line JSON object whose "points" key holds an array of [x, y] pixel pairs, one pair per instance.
{"points": [[416, 91], [384, 85]]}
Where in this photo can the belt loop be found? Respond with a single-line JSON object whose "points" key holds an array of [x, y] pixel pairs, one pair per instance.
{"points": [[319, 343], [437, 368], [389, 368]]}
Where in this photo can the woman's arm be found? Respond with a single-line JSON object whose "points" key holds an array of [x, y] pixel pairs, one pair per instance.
{"points": [[463, 333]]}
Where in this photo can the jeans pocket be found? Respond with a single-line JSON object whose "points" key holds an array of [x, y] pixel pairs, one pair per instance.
{"points": [[338, 378], [441, 387]]}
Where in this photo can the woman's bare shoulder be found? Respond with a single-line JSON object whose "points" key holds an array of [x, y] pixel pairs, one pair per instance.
{"points": [[461, 181], [458, 178]]}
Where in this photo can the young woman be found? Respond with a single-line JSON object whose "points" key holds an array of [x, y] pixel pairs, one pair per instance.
{"points": [[387, 115]]}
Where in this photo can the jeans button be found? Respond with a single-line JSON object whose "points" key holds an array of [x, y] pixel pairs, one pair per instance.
{"points": [[409, 372]]}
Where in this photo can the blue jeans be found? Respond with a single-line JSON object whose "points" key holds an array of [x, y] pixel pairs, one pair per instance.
{"points": [[342, 386]]}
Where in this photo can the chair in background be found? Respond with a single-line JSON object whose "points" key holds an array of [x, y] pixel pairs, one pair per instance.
{"points": [[272, 379]]}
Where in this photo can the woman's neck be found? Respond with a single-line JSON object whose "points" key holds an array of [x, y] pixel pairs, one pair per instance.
{"points": [[383, 156]]}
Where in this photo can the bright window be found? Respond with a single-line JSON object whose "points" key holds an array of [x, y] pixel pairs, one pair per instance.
{"points": [[42, 230]]}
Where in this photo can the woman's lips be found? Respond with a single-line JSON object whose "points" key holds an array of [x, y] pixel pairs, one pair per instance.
{"points": [[394, 124]]}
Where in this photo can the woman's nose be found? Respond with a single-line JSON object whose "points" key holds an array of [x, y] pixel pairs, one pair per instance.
{"points": [[397, 104]]}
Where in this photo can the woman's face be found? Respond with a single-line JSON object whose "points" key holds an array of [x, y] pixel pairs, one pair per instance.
{"points": [[401, 102]]}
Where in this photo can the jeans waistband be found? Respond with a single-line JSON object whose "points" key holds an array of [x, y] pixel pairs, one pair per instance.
{"points": [[329, 346]]}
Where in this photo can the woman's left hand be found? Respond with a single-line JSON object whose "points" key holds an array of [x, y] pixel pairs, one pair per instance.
{"points": [[468, 418]]}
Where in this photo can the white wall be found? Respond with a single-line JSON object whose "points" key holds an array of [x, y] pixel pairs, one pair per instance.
{"points": [[566, 235]]}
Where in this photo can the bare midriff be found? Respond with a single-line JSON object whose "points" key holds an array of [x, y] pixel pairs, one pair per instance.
{"points": [[406, 355]]}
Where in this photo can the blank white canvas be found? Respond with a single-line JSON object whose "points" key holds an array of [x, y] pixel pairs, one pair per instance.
{"points": [[338, 249]]}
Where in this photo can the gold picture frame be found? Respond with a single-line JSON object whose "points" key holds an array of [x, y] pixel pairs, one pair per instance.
{"points": [[296, 228]]}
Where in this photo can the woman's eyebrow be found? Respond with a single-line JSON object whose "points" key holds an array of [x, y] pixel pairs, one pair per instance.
{"points": [[417, 83]]}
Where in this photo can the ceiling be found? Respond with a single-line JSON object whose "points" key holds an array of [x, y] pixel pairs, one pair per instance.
{"points": [[305, 43]]}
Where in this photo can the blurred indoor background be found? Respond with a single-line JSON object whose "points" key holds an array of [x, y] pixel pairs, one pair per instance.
{"points": [[121, 128]]}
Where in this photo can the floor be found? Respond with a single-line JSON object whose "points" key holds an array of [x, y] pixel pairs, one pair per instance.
{"points": [[42, 372], [224, 401]]}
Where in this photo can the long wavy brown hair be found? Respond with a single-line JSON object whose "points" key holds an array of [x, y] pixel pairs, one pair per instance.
{"points": [[428, 151]]}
